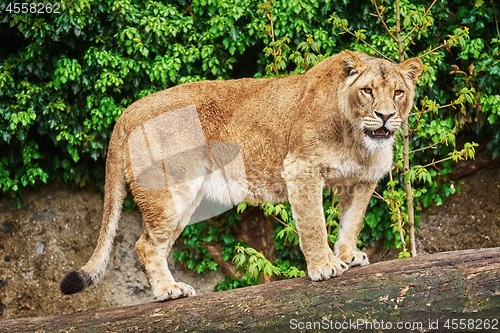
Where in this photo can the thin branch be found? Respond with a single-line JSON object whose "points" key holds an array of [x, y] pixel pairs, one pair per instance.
{"points": [[398, 33], [270, 18], [411, 41], [286, 225], [420, 113], [433, 50], [439, 107], [406, 147], [409, 34], [272, 26], [420, 29], [418, 119], [429, 9], [433, 163], [378, 196], [400, 227], [368, 45], [383, 22], [433, 146], [451, 104], [399, 219], [390, 178]]}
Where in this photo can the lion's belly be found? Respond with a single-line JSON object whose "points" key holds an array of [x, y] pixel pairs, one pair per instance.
{"points": [[225, 191]]}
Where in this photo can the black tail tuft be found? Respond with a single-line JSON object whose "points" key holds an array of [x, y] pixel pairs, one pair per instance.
{"points": [[75, 282]]}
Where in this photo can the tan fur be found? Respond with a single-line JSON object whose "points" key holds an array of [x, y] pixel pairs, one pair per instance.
{"points": [[297, 135]]}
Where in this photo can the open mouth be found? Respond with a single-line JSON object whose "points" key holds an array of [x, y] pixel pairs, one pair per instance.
{"points": [[381, 133]]}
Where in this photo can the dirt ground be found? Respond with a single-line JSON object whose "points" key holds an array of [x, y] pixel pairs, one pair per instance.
{"points": [[467, 220], [57, 228]]}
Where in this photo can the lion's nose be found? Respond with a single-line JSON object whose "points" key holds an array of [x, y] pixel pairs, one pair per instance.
{"points": [[385, 117]]}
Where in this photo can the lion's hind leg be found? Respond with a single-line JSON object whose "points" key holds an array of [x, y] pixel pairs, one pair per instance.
{"points": [[162, 226]]}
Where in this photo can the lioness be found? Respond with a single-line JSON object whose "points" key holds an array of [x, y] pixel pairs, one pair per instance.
{"points": [[256, 140]]}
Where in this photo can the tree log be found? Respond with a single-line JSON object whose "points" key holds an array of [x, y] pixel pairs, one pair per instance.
{"points": [[425, 293], [473, 167]]}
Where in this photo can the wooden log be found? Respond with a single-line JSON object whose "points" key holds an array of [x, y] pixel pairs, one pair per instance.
{"points": [[424, 293], [473, 167]]}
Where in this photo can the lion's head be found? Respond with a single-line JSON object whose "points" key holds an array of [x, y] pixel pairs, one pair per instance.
{"points": [[378, 96]]}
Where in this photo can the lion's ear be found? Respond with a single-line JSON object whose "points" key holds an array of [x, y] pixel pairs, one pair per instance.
{"points": [[352, 64], [411, 68]]}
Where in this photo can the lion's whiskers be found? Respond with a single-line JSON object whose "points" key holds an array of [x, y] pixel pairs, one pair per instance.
{"points": [[403, 127], [358, 130], [355, 123]]}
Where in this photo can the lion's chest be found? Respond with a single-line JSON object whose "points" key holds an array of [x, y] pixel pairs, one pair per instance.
{"points": [[354, 170]]}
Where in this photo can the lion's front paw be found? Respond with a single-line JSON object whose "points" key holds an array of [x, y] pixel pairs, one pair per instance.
{"points": [[327, 270], [355, 258], [173, 291]]}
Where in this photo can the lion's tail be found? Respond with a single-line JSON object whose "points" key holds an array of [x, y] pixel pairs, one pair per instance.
{"points": [[114, 192]]}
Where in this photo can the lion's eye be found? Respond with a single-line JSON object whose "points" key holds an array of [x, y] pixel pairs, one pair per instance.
{"points": [[398, 92], [367, 90]]}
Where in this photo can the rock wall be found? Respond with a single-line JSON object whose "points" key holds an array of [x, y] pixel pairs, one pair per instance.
{"points": [[54, 233]]}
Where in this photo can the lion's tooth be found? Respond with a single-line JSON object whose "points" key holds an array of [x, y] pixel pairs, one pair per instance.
{"points": [[373, 133]]}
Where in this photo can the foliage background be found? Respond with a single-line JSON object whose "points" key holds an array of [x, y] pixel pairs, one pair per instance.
{"points": [[65, 79]]}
